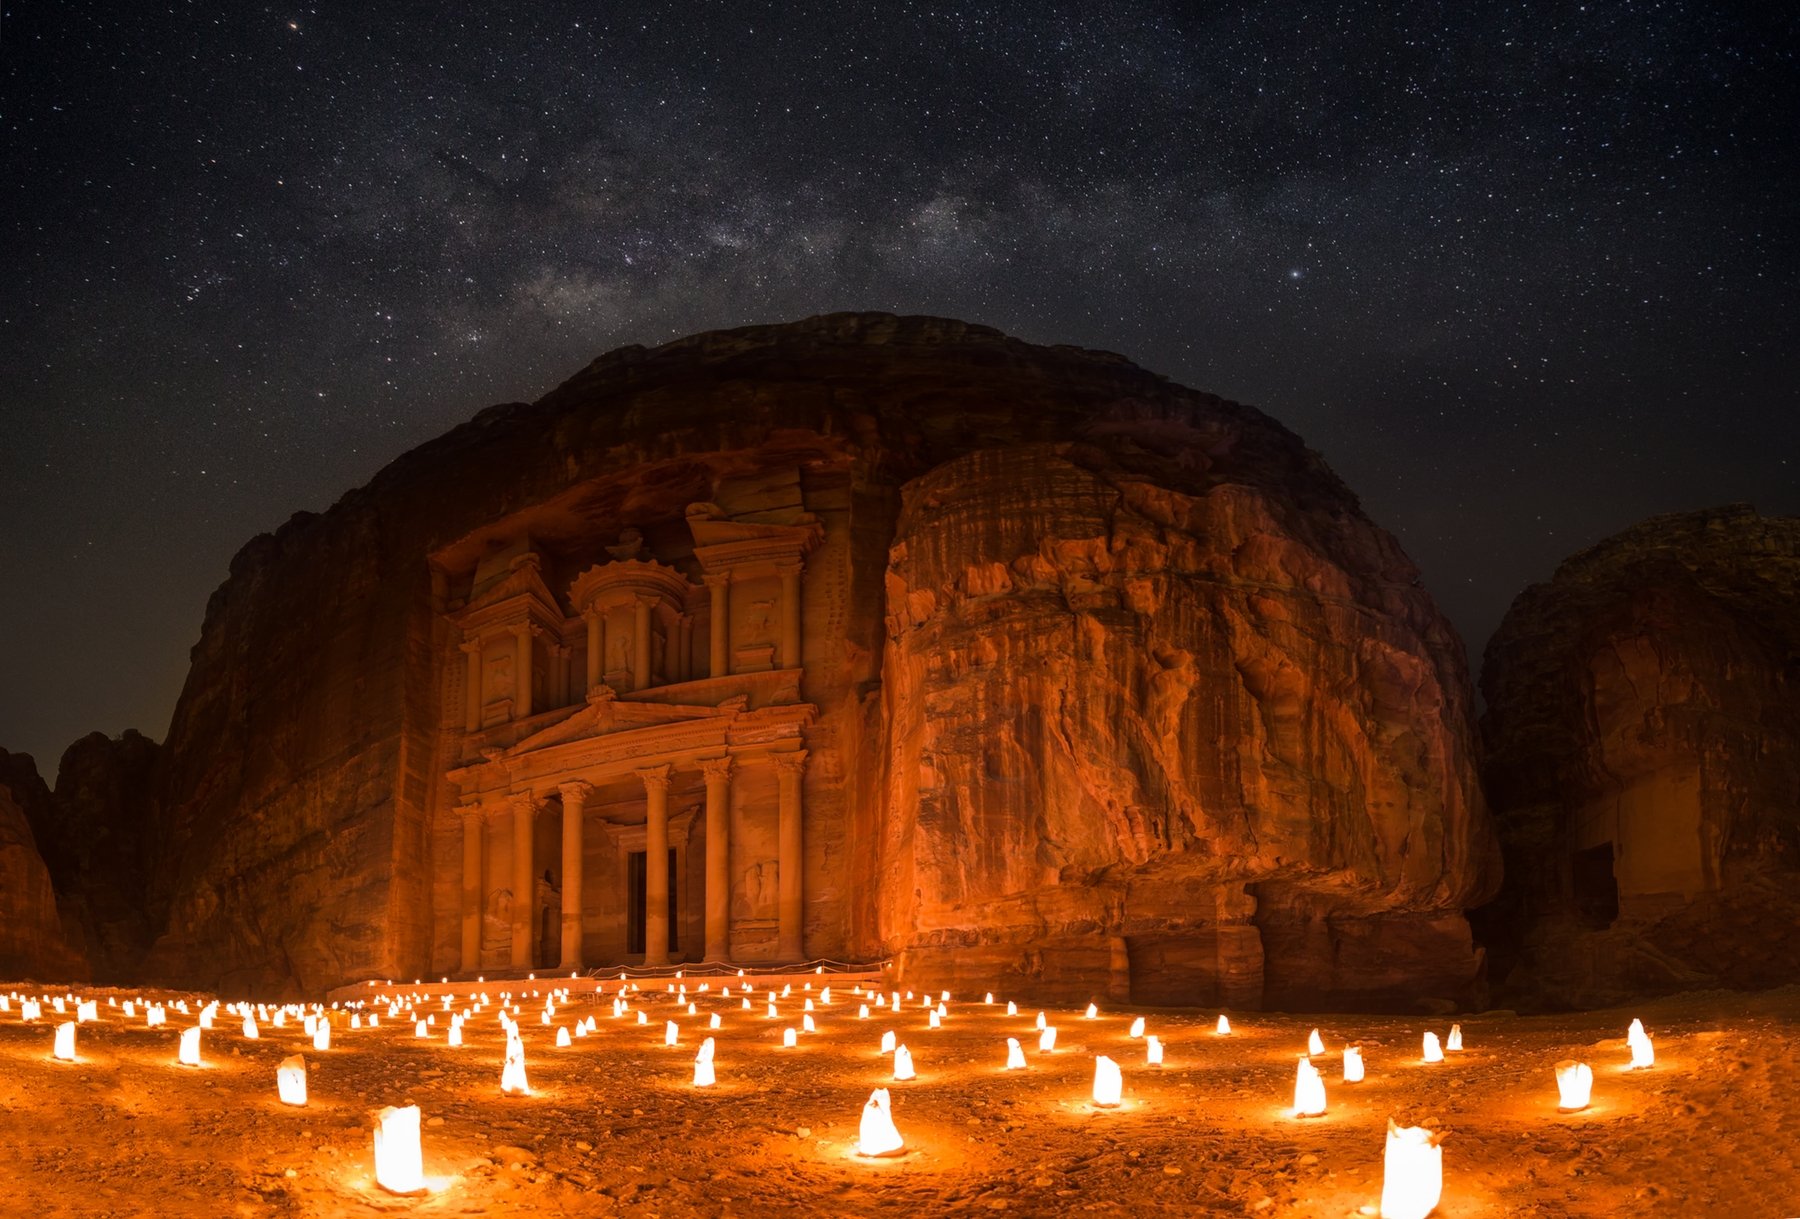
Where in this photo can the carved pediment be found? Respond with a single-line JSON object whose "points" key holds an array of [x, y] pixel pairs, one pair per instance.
{"points": [[607, 714], [524, 582]]}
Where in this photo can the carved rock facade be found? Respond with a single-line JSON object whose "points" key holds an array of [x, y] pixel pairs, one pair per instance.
{"points": [[887, 636], [1643, 761]]}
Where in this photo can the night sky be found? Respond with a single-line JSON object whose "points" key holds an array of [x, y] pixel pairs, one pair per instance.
{"points": [[1523, 277]]}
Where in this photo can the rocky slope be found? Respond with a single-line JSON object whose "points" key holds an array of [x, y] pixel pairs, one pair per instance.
{"points": [[32, 944], [1643, 762], [1121, 692]]}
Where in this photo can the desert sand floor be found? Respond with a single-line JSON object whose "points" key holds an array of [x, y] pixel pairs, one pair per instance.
{"points": [[613, 1125]]}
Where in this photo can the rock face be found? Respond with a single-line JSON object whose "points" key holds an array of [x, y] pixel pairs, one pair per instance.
{"points": [[1643, 762], [32, 944], [1116, 689]]}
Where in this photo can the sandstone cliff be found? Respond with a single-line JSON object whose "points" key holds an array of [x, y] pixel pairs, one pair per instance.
{"points": [[32, 944], [1119, 691], [1643, 761]]}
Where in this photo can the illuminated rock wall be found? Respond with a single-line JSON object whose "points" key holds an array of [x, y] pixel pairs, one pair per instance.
{"points": [[1643, 733]]}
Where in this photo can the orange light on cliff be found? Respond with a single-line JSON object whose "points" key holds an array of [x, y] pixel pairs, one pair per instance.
{"points": [[1574, 1085], [1412, 1172], [877, 1135], [290, 1080], [399, 1161]]}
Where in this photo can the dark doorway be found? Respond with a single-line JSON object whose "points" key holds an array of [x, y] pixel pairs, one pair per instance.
{"points": [[1596, 891], [637, 890]]}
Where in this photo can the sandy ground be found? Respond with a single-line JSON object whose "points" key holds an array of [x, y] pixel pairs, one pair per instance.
{"points": [[613, 1125]]}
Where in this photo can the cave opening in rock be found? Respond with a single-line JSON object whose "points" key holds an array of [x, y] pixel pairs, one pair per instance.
{"points": [[1595, 889]]}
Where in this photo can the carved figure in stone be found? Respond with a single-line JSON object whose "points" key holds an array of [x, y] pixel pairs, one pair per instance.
{"points": [[757, 892], [618, 648], [500, 677], [758, 620], [496, 920]]}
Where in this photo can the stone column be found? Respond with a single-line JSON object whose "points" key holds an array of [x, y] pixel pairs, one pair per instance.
{"points": [[721, 623], [656, 864], [640, 642], [472, 683], [596, 657], [684, 649], [574, 799], [790, 615], [524, 813], [522, 672], [718, 858], [790, 899], [474, 831]]}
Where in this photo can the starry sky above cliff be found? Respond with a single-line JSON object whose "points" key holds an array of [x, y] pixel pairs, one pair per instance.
{"points": [[1524, 274]]}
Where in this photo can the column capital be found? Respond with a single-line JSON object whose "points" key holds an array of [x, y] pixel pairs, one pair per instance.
{"points": [[471, 646], [523, 804], [527, 628], [473, 810], [790, 567], [716, 770], [792, 762], [561, 651], [656, 778], [576, 791], [717, 579]]}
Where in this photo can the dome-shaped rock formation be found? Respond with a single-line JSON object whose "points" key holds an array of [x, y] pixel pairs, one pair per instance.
{"points": [[858, 636], [1643, 763]]}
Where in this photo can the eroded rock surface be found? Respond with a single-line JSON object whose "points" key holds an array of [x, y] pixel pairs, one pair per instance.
{"points": [[32, 944], [1117, 689], [1643, 732]]}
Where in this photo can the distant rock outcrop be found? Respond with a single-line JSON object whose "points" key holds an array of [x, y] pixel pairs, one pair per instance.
{"points": [[1117, 689], [1643, 764], [32, 944]]}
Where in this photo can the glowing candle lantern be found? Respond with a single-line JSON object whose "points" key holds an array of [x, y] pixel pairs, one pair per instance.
{"points": [[808, 1007], [29, 1010], [421, 1029], [887, 1042], [1643, 1052], [1015, 1055], [1153, 1050], [1412, 1173], [1092, 1013], [807, 1025], [1223, 1028], [903, 1068], [1309, 1090], [1453, 1042], [322, 1036], [1012, 1009], [825, 996], [280, 1018], [692, 1010], [771, 1014], [85, 1012], [715, 1022], [746, 1004], [190, 1047], [703, 1065], [1109, 1084], [1315, 1044], [56, 1005], [671, 1033], [512, 1072], [790, 1037], [1137, 1028], [878, 1136], [643, 1018], [64, 1048], [130, 1009], [206, 1015], [399, 1162], [862, 1011], [989, 999], [290, 1080], [933, 1020], [1574, 1085], [1353, 1064], [563, 1040], [374, 1020], [1433, 1051], [250, 1030], [454, 1040], [1042, 1023], [309, 1024], [155, 1017], [1047, 1039]]}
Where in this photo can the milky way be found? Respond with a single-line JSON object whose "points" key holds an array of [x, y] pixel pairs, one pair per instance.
{"points": [[1523, 277]]}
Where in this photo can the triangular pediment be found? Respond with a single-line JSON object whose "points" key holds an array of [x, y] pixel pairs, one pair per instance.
{"points": [[524, 580], [607, 714]]}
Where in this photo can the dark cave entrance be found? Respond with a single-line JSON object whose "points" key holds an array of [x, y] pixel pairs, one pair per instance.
{"points": [[1595, 889]]}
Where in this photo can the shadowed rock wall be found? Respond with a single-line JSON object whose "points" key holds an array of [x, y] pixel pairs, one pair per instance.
{"points": [[32, 943], [1643, 732]]}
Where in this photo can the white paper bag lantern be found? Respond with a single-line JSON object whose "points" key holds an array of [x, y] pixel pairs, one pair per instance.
{"points": [[290, 1080], [1015, 1054], [1309, 1090], [933, 1020], [1012, 1009], [1153, 1050], [1042, 1022], [356, 1020], [715, 1021], [1412, 1173], [512, 1072], [703, 1067], [399, 1162], [1353, 1064], [64, 1048], [862, 1011], [1109, 1084], [1315, 1044], [1047, 1040], [671, 1033], [421, 1029], [87, 1012], [790, 1037], [887, 1042], [563, 1040], [1223, 1028], [878, 1136], [1453, 1042], [988, 999], [903, 1066], [251, 1033], [1433, 1052], [1574, 1085], [1092, 1013], [454, 1038], [322, 1036], [1137, 1028], [1643, 1051], [190, 1047]]}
